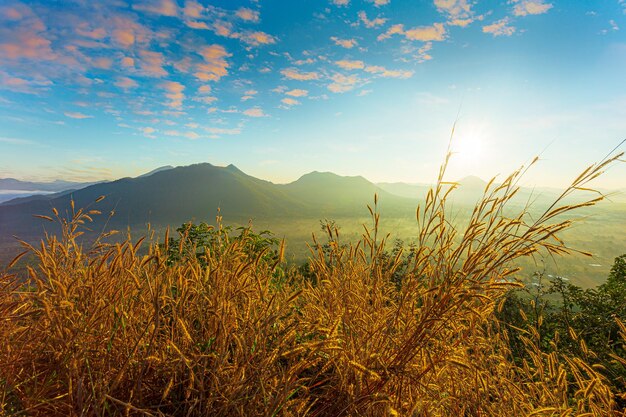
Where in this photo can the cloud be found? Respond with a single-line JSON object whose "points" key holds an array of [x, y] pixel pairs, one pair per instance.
{"points": [[290, 101], [379, 3], [100, 62], [297, 93], [350, 65], [151, 63], [393, 30], [386, 73], [174, 92], [249, 94], [526, 7], [378, 21], [85, 31], [304, 61], [126, 32], [500, 28], [22, 35], [223, 131], [342, 83], [193, 9], [346, 43], [341, 2], [148, 132], [178, 133], [77, 115], [22, 85], [197, 25], [215, 65], [222, 28], [255, 38], [459, 12], [248, 15], [436, 32], [254, 112], [128, 62], [160, 7], [16, 141], [295, 74], [126, 83]]}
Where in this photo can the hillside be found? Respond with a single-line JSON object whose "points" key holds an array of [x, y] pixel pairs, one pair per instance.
{"points": [[175, 195]]}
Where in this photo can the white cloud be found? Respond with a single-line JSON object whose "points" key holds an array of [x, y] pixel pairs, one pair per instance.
{"points": [[377, 21], [342, 83], [174, 92], [77, 115], [126, 83], [500, 28], [160, 7], [255, 112], [295, 74], [387, 73], [290, 101], [248, 15], [350, 65], [526, 7], [459, 12], [346, 43], [435, 32], [297, 93]]}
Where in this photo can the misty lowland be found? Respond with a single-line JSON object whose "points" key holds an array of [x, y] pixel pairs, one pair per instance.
{"points": [[325, 208]]}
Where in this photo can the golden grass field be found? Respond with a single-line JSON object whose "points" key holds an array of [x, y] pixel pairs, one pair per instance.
{"points": [[104, 330]]}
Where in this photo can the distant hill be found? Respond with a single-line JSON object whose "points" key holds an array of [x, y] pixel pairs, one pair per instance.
{"points": [[471, 188], [176, 195], [10, 188], [54, 186], [24, 191], [331, 194]]}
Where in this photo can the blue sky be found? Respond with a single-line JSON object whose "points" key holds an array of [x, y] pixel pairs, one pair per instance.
{"points": [[105, 89]]}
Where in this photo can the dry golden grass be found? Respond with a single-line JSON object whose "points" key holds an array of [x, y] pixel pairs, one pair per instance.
{"points": [[103, 330]]}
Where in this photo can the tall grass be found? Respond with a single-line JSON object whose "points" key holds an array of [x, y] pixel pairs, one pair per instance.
{"points": [[104, 330]]}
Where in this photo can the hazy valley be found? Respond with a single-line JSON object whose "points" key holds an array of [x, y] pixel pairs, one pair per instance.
{"points": [[169, 196]]}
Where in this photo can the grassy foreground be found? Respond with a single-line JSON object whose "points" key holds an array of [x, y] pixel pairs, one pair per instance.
{"points": [[104, 330]]}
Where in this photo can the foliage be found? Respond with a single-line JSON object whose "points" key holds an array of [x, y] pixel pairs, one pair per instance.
{"points": [[199, 326], [203, 240], [586, 322]]}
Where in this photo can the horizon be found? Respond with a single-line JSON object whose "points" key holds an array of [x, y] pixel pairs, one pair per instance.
{"points": [[459, 180], [366, 88]]}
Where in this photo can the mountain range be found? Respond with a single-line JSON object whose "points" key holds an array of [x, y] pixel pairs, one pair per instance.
{"points": [[171, 196]]}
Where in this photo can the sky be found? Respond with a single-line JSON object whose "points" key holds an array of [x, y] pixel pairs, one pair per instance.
{"points": [[93, 90]]}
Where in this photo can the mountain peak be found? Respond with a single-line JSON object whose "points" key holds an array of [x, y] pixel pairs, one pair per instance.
{"points": [[154, 171], [472, 181], [233, 168]]}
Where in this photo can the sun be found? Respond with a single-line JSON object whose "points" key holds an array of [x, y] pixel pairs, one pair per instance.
{"points": [[469, 149]]}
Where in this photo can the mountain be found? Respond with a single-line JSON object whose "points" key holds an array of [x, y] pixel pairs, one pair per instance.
{"points": [[154, 171], [176, 195], [331, 194]]}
